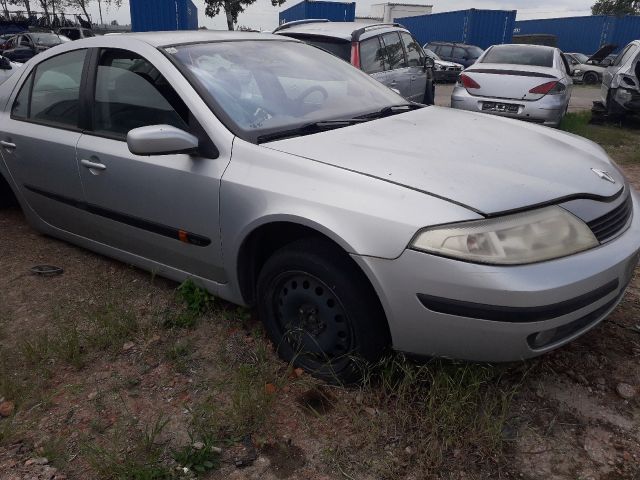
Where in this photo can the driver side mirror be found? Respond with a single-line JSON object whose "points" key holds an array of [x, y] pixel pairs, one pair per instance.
{"points": [[428, 62], [5, 64], [161, 140]]}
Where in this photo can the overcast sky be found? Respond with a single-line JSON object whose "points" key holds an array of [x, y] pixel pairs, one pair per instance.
{"points": [[261, 15]]}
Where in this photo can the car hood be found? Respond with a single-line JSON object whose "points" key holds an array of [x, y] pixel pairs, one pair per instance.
{"points": [[448, 64], [488, 164], [602, 53]]}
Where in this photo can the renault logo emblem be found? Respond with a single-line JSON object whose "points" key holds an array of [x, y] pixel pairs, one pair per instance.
{"points": [[603, 175]]}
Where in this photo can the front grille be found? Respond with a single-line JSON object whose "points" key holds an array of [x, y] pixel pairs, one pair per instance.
{"points": [[612, 223]]}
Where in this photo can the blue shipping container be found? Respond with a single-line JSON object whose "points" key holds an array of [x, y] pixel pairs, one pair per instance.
{"points": [[584, 34], [162, 15], [334, 11], [475, 27]]}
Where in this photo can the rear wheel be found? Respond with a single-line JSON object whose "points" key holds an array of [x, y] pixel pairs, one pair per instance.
{"points": [[591, 78], [6, 195], [320, 311]]}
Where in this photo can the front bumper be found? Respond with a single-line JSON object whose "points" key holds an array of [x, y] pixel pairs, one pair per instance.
{"points": [[549, 110], [582, 289]]}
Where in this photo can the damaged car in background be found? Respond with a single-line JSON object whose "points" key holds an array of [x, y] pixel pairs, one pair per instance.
{"points": [[621, 83]]}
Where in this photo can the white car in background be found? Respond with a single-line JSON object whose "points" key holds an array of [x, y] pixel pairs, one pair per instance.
{"points": [[527, 82], [587, 69], [443, 71], [7, 68]]}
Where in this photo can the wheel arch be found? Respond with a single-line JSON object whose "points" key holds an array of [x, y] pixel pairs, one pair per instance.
{"points": [[265, 239]]}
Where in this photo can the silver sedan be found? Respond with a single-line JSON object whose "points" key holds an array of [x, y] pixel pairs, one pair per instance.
{"points": [[277, 175], [527, 82]]}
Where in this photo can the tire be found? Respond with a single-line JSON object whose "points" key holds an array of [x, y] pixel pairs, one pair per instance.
{"points": [[320, 311], [6, 195], [591, 78]]}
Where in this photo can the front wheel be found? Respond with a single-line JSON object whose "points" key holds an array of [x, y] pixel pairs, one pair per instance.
{"points": [[591, 78], [320, 311]]}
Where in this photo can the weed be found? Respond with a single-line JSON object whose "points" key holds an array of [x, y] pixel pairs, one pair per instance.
{"points": [[200, 459], [181, 355], [109, 327], [196, 299]]}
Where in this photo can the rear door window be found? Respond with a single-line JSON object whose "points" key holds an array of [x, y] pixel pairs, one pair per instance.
{"points": [[372, 56], [445, 51], [413, 49], [51, 95], [459, 52], [628, 52], [394, 51]]}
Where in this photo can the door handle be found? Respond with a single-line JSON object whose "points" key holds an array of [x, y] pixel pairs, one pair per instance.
{"points": [[93, 165], [413, 77], [8, 145]]}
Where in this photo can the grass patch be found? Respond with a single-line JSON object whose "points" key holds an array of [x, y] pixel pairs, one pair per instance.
{"points": [[424, 417], [622, 142], [196, 302]]}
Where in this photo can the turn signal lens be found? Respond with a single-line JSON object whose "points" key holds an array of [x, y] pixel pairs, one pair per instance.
{"points": [[468, 82]]}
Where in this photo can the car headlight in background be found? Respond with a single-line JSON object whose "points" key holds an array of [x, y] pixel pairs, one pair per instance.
{"points": [[438, 67], [518, 239]]}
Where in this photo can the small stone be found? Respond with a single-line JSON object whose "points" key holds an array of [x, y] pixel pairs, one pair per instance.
{"points": [[6, 409], [198, 445], [92, 395], [626, 391], [370, 411], [410, 450], [36, 461], [217, 450], [128, 346]]}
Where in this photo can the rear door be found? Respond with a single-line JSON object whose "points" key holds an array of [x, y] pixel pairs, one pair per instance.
{"points": [[39, 139], [398, 76], [445, 52], [417, 72]]}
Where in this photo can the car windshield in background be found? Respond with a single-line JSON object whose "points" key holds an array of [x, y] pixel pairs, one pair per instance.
{"points": [[474, 52], [431, 54], [581, 57], [46, 39], [265, 87], [520, 55]]}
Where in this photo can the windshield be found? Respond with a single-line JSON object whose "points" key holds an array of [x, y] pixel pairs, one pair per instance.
{"points": [[431, 54], [580, 57], [520, 55], [258, 88], [46, 38], [474, 52]]}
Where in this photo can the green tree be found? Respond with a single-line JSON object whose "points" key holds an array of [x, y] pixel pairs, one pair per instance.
{"points": [[616, 7], [231, 8]]}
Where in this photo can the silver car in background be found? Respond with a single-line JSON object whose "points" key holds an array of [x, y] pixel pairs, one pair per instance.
{"points": [[621, 83], [527, 82], [276, 175]]}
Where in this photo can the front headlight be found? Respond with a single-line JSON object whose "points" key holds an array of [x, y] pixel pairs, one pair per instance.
{"points": [[517, 239], [438, 66], [577, 71]]}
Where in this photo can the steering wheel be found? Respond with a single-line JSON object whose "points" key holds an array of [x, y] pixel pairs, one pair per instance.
{"points": [[309, 91]]}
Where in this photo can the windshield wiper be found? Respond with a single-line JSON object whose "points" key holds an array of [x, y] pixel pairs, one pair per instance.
{"points": [[391, 110], [310, 128]]}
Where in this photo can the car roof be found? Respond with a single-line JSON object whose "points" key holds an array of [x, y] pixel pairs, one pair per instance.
{"points": [[524, 45], [342, 30], [458, 44], [165, 39]]}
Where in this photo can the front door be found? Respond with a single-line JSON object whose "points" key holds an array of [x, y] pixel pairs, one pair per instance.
{"points": [[161, 207], [417, 72], [399, 74], [38, 140]]}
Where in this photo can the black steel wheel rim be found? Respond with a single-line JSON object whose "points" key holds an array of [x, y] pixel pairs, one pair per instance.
{"points": [[311, 320]]}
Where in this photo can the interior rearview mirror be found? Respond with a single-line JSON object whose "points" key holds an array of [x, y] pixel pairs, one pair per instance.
{"points": [[160, 140]]}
